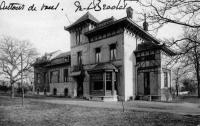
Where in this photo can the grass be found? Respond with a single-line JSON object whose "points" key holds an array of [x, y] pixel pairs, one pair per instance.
{"points": [[189, 99], [37, 113]]}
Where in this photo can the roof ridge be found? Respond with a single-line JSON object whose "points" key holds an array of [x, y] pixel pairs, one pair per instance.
{"points": [[84, 17]]}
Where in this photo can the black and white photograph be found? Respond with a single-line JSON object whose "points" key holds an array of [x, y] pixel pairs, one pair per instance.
{"points": [[99, 63]]}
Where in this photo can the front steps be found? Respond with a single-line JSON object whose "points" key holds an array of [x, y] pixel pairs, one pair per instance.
{"points": [[103, 98]]}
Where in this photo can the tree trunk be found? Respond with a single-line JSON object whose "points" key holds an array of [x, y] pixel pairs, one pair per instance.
{"points": [[198, 89], [198, 79], [177, 88], [197, 68], [12, 90]]}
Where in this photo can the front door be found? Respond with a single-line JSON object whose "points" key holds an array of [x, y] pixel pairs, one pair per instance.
{"points": [[146, 83], [79, 86]]}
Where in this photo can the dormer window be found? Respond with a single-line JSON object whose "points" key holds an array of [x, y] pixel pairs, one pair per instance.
{"points": [[67, 59], [91, 26]]}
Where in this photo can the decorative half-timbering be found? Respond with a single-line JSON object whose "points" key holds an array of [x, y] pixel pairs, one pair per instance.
{"points": [[151, 72]]}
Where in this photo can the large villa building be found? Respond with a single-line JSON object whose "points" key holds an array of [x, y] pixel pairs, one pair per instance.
{"points": [[109, 60]]}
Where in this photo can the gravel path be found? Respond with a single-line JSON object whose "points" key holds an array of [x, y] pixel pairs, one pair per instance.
{"points": [[177, 108]]}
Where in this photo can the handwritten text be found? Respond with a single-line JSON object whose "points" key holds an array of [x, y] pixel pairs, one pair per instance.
{"points": [[97, 5], [4, 5]]}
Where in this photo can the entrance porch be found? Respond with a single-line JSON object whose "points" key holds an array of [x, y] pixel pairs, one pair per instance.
{"points": [[103, 82]]}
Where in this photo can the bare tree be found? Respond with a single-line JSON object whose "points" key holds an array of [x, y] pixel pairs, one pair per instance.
{"points": [[13, 52], [180, 72], [184, 13], [193, 52], [188, 55], [181, 12]]}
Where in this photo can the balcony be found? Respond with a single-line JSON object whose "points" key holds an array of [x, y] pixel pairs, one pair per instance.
{"points": [[76, 68]]}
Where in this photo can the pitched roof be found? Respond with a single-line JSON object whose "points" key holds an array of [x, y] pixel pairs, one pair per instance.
{"points": [[85, 17], [103, 66], [105, 22], [44, 60], [62, 55], [150, 46], [136, 28], [124, 21]]}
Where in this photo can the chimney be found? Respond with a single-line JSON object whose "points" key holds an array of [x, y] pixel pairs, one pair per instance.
{"points": [[129, 12], [145, 24]]}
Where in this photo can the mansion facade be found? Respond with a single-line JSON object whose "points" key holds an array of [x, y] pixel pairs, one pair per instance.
{"points": [[109, 60]]}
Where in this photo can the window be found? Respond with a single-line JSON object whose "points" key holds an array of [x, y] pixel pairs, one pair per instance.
{"points": [[112, 51], [54, 76], [67, 59], [79, 58], [165, 79], [65, 74], [108, 80], [98, 81], [78, 37], [45, 77], [108, 76], [98, 85], [38, 78], [97, 55], [97, 77], [146, 83]]}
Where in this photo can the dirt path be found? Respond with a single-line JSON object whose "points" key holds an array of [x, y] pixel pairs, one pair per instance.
{"points": [[177, 108]]}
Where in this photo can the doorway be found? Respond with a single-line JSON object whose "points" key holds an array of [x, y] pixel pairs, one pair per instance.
{"points": [[79, 86], [54, 91], [147, 83], [38, 91], [66, 92], [45, 91]]}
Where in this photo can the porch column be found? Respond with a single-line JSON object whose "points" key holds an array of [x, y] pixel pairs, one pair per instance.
{"points": [[113, 83], [104, 83]]}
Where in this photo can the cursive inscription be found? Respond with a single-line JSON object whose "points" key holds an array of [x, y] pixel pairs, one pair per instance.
{"points": [[4, 5], [11, 6], [97, 5], [51, 7]]}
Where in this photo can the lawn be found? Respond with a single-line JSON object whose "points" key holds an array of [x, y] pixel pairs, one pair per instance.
{"points": [[38, 113]]}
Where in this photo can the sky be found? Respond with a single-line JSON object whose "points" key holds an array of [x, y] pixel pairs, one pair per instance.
{"points": [[45, 29]]}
